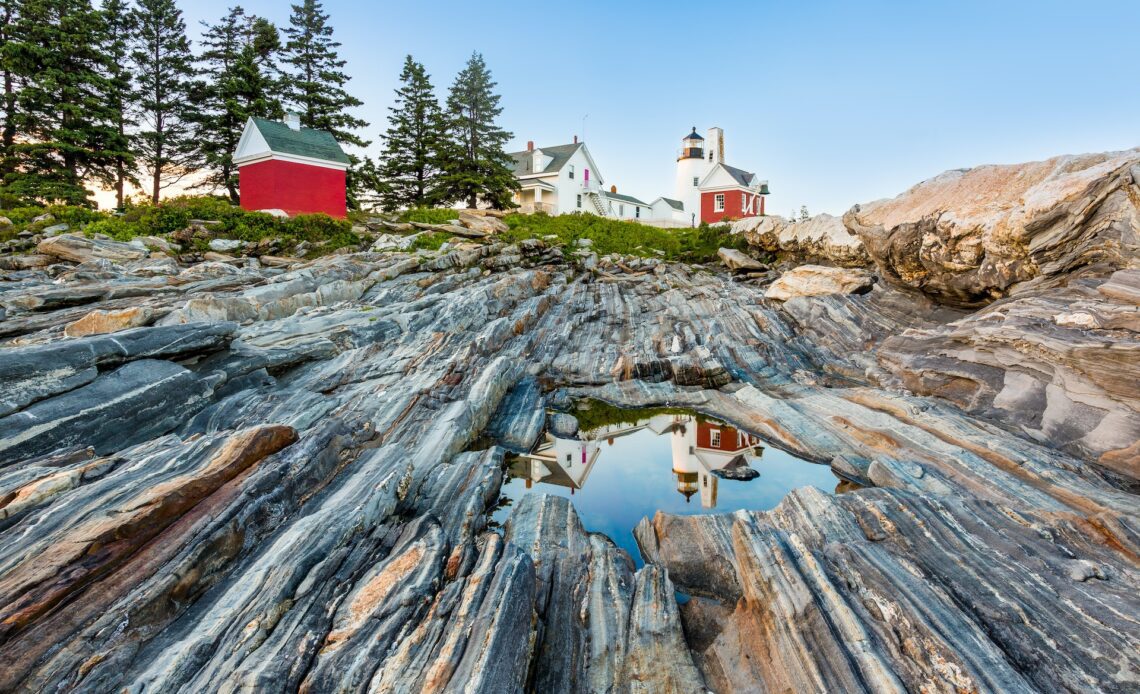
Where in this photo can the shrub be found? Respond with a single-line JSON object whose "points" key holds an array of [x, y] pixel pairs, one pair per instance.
{"points": [[429, 215], [429, 241]]}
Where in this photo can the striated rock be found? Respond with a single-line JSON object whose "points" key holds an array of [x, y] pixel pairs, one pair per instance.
{"points": [[78, 249], [736, 261], [822, 238], [226, 245], [486, 224], [98, 322], [970, 236], [818, 280]]}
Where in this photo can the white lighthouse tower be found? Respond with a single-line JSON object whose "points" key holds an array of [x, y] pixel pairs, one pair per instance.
{"points": [[694, 160]]}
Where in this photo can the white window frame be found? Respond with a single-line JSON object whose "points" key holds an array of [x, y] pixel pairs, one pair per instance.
{"points": [[571, 172], [579, 201], [696, 181], [718, 202], [714, 438]]}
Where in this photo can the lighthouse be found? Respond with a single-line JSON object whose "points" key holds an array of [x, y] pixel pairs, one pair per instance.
{"points": [[692, 165]]}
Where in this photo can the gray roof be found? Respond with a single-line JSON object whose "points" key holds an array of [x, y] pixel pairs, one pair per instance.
{"points": [[675, 204], [625, 198], [306, 142], [741, 176], [560, 156]]}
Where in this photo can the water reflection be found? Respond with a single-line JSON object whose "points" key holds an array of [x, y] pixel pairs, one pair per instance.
{"points": [[676, 463], [700, 448]]}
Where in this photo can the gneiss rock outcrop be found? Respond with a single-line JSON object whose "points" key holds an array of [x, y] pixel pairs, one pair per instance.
{"points": [[968, 237], [822, 238], [282, 481]]}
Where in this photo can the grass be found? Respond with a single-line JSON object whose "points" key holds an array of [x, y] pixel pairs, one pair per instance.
{"points": [[176, 214], [608, 236]]}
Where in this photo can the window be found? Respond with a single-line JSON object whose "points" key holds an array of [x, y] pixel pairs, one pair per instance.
{"points": [[710, 155], [696, 181], [579, 202], [621, 210], [714, 438], [571, 172], [718, 203], [637, 212]]}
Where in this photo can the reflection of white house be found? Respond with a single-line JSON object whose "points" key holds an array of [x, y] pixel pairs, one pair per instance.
{"points": [[699, 448]]}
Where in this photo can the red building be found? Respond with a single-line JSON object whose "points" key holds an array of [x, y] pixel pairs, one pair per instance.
{"points": [[282, 166], [729, 192]]}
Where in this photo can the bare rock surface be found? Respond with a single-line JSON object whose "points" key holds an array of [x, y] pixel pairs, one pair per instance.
{"points": [[283, 481], [970, 236], [819, 280], [822, 238]]}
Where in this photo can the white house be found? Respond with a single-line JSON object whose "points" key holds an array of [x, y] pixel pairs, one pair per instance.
{"points": [[563, 179]]}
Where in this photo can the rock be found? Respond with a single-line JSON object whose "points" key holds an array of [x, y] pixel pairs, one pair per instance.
{"points": [[818, 280], [225, 245], [739, 472], [78, 249], [55, 230], [822, 238], [275, 261], [736, 261], [98, 322], [562, 425], [280, 214], [45, 218], [967, 237], [158, 243], [5, 222], [1123, 286], [25, 262], [482, 223]]}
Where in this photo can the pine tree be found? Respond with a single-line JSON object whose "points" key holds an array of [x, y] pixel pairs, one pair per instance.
{"points": [[315, 85], [475, 165], [8, 17], [119, 93], [366, 186], [164, 67], [413, 141], [239, 70], [64, 130]]}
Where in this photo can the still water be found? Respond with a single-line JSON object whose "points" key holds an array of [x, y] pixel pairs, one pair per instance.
{"points": [[677, 463]]}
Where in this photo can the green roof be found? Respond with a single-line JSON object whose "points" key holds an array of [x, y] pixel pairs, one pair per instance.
{"points": [[306, 142]]}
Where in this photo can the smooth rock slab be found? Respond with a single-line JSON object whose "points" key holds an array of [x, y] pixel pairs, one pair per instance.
{"points": [[819, 280], [79, 249], [98, 322], [136, 402]]}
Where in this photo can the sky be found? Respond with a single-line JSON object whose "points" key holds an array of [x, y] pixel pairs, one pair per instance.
{"points": [[834, 103]]}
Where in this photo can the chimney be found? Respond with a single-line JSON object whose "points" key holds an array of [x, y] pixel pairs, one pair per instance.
{"points": [[575, 139], [293, 120], [613, 189], [530, 145]]}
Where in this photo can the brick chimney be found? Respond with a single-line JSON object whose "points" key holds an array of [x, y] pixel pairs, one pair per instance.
{"points": [[575, 139], [530, 145], [613, 189]]}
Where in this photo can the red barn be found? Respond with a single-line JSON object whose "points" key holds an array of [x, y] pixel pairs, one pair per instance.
{"points": [[282, 166], [729, 192]]}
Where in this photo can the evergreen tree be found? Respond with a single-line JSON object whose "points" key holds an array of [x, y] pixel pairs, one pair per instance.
{"points": [[64, 130], [315, 85], [239, 70], [413, 141], [8, 17], [164, 68], [119, 94], [366, 186], [474, 163]]}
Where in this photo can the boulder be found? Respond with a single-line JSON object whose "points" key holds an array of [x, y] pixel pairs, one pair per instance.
{"points": [[564, 426], [822, 238], [736, 261], [5, 222], [483, 223], [98, 321], [969, 236], [79, 249], [226, 245], [55, 230], [818, 280], [25, 262], [280, 214]]}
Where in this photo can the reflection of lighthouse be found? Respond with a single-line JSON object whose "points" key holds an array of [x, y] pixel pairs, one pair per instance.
{"points": [[701, 447]]}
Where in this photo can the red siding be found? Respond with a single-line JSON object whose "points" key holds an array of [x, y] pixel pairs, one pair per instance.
{"points": [[295, 188], [733, 205], [730, 437]]}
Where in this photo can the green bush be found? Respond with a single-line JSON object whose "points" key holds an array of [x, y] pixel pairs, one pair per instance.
{"points": [[429, 215], [429, 241], [117, 228]]}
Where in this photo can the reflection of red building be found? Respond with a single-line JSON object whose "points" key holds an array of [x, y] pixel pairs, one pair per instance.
{"points": [[720, 437]]}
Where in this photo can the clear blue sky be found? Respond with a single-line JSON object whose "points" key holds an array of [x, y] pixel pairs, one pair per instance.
{"points": [[833, 102]]}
